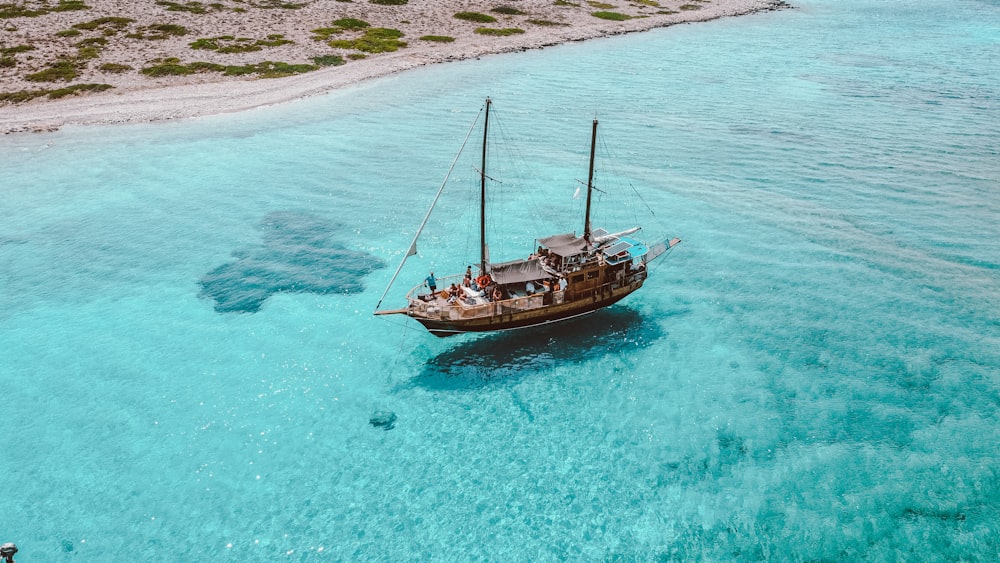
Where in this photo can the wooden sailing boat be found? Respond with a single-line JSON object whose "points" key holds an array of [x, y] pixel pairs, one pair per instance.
{"points": [[566, 277]]}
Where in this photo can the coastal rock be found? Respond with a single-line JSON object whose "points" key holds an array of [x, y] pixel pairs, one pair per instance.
{"points": [[385, 420]]}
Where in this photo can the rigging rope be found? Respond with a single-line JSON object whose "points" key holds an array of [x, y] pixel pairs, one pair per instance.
{"points": [[413, 244]]}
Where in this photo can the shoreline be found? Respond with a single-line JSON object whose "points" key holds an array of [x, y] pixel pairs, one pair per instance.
{"points": [[141, 100]]}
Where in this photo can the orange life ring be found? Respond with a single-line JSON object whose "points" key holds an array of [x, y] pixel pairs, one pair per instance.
{"points": [[483, 280]]}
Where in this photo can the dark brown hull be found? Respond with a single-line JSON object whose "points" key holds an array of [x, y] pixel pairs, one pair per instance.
{"points": [[509, 319]]}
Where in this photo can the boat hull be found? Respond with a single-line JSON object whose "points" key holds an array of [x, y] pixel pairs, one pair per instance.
{"points": [[509, 319]]}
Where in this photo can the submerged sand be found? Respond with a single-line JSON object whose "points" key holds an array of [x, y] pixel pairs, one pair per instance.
{"points": [[127, 39]]}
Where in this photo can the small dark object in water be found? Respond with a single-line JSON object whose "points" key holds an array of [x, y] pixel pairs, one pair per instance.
{"points": [[7, 552], [383, 419]]}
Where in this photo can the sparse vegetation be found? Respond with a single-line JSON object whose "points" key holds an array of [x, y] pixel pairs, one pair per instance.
{"points": [[508, 11], [475, 17], [16, 49], [650, 3], [546, 22], [689, 7], [339, 26], [276, 4], [351, 24], [498, 32], [328, 60], [230, 44], [600, 5], [375, 40], [16, 10], [191, 7], [565, 3], [267, 69], [158, 31], [114, 68], [438, 38], [28, 95], [613, 16], [389, 2], [92, 42], [63, 69], [106, 23], [70, 6], [69, 33], [77, 88], [170, 66]]}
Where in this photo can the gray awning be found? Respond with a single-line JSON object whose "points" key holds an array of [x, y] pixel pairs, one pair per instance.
{"points": [[564, 245], [518, 271]]}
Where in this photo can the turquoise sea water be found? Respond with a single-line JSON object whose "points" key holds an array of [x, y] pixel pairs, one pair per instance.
{"points": [[188, 361]]}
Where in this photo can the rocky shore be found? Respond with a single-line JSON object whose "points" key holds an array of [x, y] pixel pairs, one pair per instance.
{"points": [[118, 61]]}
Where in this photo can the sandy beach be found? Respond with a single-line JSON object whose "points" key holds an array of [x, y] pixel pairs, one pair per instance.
{"points": [[153, 60]]}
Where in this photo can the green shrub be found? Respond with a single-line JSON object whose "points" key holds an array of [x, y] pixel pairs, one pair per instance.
{"points": [[158, 31], [498, 32], [546, 22], [508, 11], [77, 88], [70, 5], [389, 2], [12, 10], [689, 7], [59, 70], [21, 96], [375, 40], [230, 44], [269, 69], [613, 16], [475, 17], [16, 49], [166, 67], [273, 4], [114, 68], [266, 69], [92, 42], [438, 38], [328, 60], [565, 3], [107, 22], [86, 53], [15, 11], [351, 24], [600, 5], [68, 33], [8, 62], [202, 66], [191, 7]]}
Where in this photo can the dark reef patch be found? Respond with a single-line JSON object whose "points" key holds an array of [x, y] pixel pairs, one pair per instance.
{"points": [[298, 253]]}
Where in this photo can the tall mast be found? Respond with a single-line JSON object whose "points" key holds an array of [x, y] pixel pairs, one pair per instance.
{"points": [[590, 183], [482, 195]]}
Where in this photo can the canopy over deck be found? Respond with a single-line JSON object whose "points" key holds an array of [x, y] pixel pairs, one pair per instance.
{"points": [[565, 245], [518, 271]]}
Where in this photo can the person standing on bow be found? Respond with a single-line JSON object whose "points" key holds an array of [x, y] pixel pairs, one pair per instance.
{"points": [[432, 284]]}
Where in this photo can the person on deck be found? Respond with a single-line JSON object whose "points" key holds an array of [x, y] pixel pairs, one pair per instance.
{"points": [[529, 287], [432, 284]]}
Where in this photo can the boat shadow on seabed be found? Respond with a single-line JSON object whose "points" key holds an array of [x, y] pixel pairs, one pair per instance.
{"points": [[506, 356]]}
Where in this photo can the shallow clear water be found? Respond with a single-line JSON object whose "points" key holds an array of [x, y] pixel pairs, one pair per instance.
{"points": [[189, 363]]}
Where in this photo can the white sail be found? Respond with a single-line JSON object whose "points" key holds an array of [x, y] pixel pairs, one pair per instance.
{"points": [[413, 244]]}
